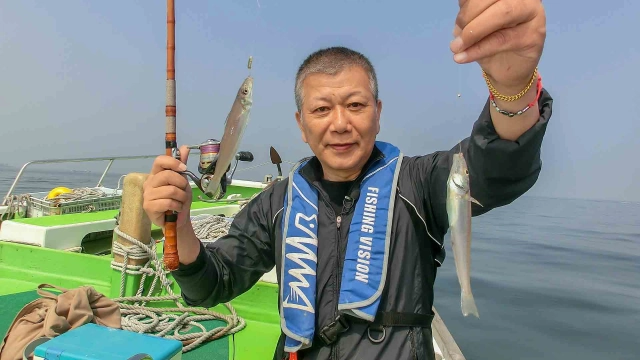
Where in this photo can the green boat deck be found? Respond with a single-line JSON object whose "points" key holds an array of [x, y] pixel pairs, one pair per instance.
{"points": [[258, 337], [24, 267]]}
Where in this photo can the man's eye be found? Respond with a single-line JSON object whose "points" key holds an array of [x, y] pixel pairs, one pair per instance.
{"points": [[355, 105], [321, 109]]}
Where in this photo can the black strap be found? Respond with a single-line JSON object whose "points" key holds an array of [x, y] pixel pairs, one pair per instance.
{"points": [[403, 319], [330, 333]]}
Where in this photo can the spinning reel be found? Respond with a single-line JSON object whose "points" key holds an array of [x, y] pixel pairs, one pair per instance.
{"points": [[207, 165]]}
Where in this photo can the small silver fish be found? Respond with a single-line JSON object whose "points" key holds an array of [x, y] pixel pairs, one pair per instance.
{"points": [[235, 124], [459, 211]]}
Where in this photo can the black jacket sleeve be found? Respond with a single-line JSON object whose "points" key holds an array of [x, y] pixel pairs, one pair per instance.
{"points": [[232, 264], [500, 170]]}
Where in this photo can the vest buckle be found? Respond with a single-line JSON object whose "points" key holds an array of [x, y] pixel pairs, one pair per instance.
{"points": [[330, 333]]}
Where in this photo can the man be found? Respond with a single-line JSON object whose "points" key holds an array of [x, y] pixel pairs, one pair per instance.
{"points": [[363, 224]]}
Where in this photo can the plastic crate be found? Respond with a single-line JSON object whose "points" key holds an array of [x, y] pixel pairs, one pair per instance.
{"points": [[38, 205]]}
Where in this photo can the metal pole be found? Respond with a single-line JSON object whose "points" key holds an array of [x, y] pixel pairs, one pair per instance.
{"points": [[105, 173]]}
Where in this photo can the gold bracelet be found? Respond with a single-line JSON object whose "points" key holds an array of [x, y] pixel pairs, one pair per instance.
{"points": [[497, 95]]}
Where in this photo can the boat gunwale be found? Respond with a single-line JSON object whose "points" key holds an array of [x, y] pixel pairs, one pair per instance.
{"points": [[110, 160]]}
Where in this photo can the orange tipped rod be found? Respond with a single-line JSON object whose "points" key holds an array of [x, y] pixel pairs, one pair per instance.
{"points": [[171, 259]]}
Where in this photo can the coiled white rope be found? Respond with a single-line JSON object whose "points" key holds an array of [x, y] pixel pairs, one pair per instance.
{"points": [[161, 321], [209, 228], [76, 194]]}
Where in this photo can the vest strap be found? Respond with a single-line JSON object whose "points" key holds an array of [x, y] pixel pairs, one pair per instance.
{"points": [[332, 332], [403, 319]]}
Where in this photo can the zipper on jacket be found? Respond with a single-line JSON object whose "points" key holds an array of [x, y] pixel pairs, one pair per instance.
{"points": [[345, 210], [347, 207], [334, 348], [347, 204], [336, 298]]}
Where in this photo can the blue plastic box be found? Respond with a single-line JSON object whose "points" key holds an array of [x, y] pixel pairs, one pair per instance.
{"points": [[96, 342]]}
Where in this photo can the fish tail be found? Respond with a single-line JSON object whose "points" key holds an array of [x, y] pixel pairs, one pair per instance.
{"points": [[468, 304]]}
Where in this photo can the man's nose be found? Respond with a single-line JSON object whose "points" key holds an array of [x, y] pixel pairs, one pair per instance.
{"points": [[340, 120]]}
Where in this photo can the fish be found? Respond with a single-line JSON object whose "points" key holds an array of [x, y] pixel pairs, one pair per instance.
{"points": [[459, 201], [234, 127]]}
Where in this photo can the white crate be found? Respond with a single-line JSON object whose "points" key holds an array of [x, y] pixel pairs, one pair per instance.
{"points": [[38, 205]]}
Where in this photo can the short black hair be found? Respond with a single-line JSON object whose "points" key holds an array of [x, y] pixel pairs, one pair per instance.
{"points": [[331, 61]]}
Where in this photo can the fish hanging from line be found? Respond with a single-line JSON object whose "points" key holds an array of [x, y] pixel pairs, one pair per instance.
{"points": [[459, 212], [235, 124]]}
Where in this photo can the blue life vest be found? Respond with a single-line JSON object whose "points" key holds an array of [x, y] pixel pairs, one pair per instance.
{"points": [[365, 263]]}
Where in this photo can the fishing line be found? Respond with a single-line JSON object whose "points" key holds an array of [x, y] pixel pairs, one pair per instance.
{"points": [[459, 99], [459, 80], [459, 108], [253, 38]]}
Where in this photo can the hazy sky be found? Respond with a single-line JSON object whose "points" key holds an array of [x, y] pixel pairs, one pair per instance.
{"points": [[87, 78]]}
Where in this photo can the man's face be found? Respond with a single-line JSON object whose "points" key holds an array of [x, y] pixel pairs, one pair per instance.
{"points": [[339, 120]]}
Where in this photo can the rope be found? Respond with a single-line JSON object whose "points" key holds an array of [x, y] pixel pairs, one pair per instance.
{"points": [[85, 193], [78, 194], [209, 228], [13, 206], [163, 321]]}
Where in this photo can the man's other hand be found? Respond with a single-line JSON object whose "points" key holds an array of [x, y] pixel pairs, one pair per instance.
{"points": [[505, 37]]}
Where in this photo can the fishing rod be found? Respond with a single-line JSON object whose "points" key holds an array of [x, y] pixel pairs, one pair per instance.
{"points": [[209, 150], [170, 250]]}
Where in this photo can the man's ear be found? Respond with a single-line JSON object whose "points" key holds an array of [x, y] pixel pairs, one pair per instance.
{"points": [[378, 113], [300, 122]]}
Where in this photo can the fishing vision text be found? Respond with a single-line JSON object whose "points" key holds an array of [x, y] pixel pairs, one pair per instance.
{"points": [[368, 221]]}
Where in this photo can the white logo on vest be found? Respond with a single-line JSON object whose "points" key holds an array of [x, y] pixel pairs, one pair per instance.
{"points": [[308, 254]]}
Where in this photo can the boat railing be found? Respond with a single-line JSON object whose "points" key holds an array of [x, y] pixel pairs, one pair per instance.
{"points": [[444, 339], [110, 160]]}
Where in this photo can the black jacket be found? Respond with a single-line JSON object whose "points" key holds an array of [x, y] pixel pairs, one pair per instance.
{"points": [[500, 171]]}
